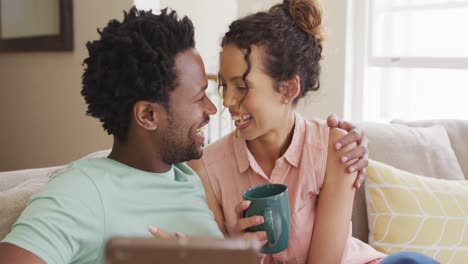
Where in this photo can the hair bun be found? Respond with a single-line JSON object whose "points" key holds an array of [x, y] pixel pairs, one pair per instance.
{"points": [[308, 16]]}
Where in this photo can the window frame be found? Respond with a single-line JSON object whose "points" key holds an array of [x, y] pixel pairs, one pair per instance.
{"points": [[360, 56]]}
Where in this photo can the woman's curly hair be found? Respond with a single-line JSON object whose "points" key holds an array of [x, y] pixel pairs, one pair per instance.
{"points": [[290, 37], [133, 60]]}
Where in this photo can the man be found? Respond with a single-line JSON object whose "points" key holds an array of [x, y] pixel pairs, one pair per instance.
{"points": [[146, 83]]}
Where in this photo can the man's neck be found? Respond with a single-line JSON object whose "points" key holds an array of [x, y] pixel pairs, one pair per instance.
{"points": [[138, 156]]}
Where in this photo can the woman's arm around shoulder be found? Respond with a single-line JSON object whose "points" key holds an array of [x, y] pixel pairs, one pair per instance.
{"points": [[334, 208], [199, 167]]}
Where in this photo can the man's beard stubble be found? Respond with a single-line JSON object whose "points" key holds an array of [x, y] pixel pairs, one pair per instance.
{"points": [[177, 146]]}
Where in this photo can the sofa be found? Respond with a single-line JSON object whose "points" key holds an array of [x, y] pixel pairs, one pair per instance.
{"points": [[436, 148], [415, 197]]}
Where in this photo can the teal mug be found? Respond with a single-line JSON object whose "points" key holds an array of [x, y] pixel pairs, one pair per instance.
{"points": [[272, 202]]}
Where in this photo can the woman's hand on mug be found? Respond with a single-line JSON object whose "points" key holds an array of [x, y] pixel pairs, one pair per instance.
{"points": [[245, 222], [159, 233]]}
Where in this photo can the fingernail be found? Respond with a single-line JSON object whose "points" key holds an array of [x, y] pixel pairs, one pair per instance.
{"points": [[358, 186], [259, 219], [344, 159], [152, 228], [352, 169], [338, 146]]}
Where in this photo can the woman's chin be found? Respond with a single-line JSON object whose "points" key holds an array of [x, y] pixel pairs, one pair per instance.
{"points": [[246, 135]]}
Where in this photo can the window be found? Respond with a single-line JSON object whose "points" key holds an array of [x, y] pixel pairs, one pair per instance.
{"points": [[410, 59]]}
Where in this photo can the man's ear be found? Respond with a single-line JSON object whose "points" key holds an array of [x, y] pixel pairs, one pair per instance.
{"points": [[146, 114], [290, 89]]}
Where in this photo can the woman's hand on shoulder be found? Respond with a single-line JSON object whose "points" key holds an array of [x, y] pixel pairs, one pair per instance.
{"points": [[359, 154], [336, 169]]}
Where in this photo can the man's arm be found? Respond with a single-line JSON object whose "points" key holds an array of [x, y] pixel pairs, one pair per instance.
{"points": [[10, 253]]}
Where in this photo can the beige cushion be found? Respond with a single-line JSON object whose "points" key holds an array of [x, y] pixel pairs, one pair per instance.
{"points": [[423, 151], [419, 150], [457, 131], [11, 179], [408, 212]]}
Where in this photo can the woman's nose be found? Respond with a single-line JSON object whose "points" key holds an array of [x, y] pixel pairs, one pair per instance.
{"points": [[229, 98]]}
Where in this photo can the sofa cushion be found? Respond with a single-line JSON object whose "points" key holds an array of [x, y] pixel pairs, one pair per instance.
{"points": [[11, 179], [407, 212], [424, 151], [457, 131], [421, 150]]}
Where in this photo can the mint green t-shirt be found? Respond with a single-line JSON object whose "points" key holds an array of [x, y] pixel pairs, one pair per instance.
{"points": [[84, 205]]}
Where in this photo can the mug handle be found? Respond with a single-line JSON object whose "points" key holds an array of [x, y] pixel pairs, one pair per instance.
{"points": [[272, 236]]}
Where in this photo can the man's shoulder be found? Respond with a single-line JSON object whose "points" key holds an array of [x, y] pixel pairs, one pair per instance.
{"points": [[73, 181], [184, 169], [67, 176]]}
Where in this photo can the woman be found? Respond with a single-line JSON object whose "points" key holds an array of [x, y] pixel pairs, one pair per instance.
{"points": [[270, 60]]}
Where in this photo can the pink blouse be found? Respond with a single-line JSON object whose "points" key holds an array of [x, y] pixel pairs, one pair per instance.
{"points": [[232, 169]]}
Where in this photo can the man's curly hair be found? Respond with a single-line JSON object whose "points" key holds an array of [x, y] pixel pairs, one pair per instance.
{"points": [[133, 60]]}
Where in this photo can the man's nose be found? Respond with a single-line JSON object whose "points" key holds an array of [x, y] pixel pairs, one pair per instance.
{"points": [[211, 108]]}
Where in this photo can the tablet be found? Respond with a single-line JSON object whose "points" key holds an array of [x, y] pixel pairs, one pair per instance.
{"points": [[132, 250]]}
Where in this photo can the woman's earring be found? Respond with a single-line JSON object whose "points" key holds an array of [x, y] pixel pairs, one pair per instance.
{"points": [[286, 101]]}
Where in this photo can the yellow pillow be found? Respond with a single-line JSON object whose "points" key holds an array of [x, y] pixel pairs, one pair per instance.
{"points": [[416, 213]]}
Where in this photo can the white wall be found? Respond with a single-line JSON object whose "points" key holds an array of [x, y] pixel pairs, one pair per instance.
{"points": [[211, 19], [331, 96]]}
